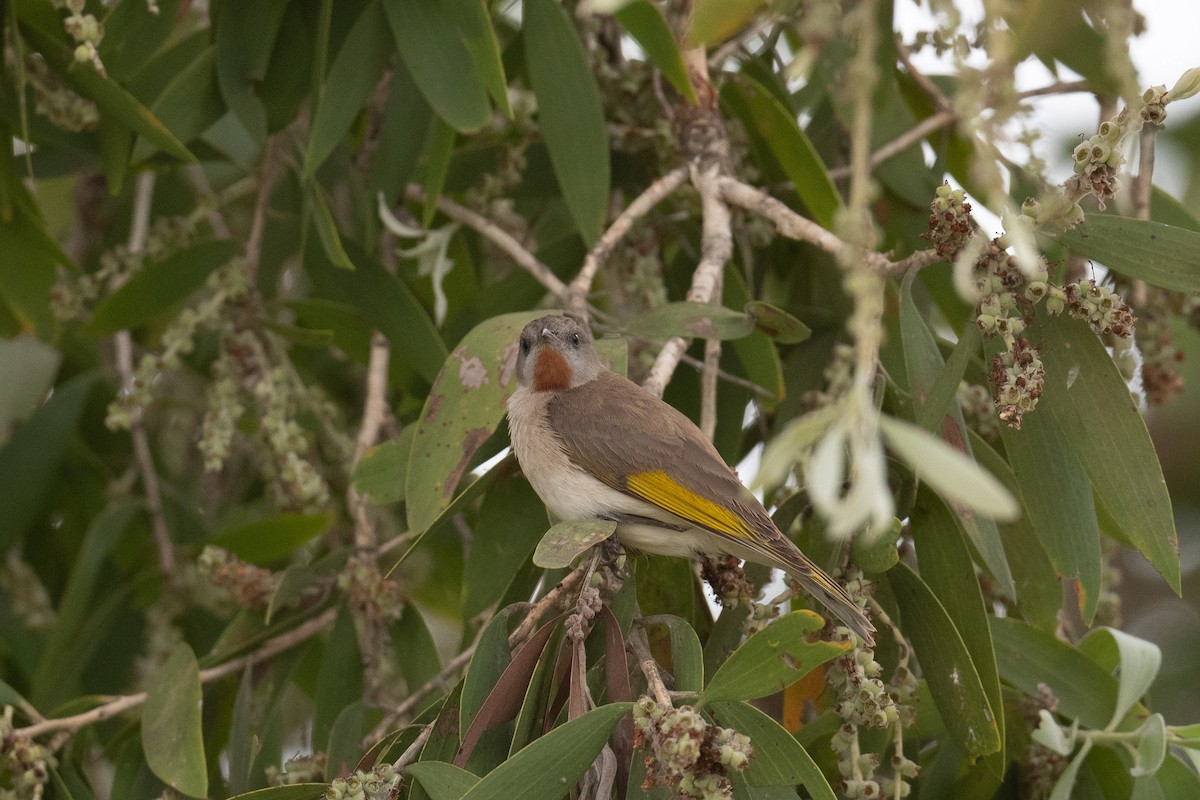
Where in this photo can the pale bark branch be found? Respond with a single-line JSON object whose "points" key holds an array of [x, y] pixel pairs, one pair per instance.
{"points": [[935, 122]]}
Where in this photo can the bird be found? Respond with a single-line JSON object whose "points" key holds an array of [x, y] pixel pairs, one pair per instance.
{"points": [[595, 445]]}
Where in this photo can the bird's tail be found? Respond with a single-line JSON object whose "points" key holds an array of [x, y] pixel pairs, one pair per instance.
{"points": [[831, 594]]}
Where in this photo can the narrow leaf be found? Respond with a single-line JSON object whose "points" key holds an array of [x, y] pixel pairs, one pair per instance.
{"points": [[690, 320], [171, 725], [946, 664], [564, 542], [651, 31], [772, 659], [714, 21], [779, 760], [382, 471], [569, 112], [1159, 254], [442, 67], [272, 538], [1088, 398], [442, 781], [331, 240], [777, 323], [479, 36]]}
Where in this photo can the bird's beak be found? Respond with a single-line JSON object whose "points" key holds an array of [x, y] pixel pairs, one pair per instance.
{"points": [[548, 334]]}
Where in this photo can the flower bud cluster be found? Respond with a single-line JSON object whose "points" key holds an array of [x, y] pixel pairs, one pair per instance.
{"points": [[376, 784], [688, 753], [1160, 355], [299, 769], [728, 581], [28, 599], [24, 764], [51, 98], [249, 586], [87, 32], [950, 222], [1018, 377], [1100, 307], [587, 608], [371, 594], [975, 402]]}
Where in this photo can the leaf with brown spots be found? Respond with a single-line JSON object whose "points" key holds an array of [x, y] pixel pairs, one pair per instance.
{"points": [[464, 407]]}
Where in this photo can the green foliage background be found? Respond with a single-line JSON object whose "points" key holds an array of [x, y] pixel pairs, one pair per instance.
{"points": [[249, 429]]}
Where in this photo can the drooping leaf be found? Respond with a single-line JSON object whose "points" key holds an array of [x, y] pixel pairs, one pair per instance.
{"points": [[1087, 396], [1159, 254], [339, 680], [564, 542], [547, 766], [946, 664], [765, 117], [159, 286], [714, 21], [439, 61], [772, 659], [327, 230], [382, 471], [479, 35], [1135, 663], [245, 34], [691, 320], [442, 781], [652, 32], [464, 407], [171, 731], [188, 105], [569, 112]]}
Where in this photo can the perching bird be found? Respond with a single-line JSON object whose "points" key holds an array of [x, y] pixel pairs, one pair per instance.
{"points": [[595, 445]]}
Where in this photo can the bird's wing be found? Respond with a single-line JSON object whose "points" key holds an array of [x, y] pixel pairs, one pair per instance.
{"points": [[640, 445]]}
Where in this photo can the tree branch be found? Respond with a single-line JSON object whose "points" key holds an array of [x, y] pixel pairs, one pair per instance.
{"points": [[138, 230], [498, 236], [935, 122], [374, 410]]}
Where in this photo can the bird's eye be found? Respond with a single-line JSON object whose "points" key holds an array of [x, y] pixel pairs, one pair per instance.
{"points": [[525, 346], [576, 339]]}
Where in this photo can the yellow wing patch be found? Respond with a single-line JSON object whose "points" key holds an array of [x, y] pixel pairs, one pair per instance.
{"points": [[659, 488]]}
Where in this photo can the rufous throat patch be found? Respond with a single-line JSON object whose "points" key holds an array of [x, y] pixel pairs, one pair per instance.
{"points": [[552, 372]]}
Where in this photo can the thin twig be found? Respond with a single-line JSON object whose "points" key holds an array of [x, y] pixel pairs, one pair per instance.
{"points": [[414, 749], [641, 650], [928, 86], [200, 185], [936, 122], [1142, 189], [138, 230], [268, 173], [708, 388], [641, 205], [1059, 87], [374, 410], [729, 377], [500, 237], [272, 647]]}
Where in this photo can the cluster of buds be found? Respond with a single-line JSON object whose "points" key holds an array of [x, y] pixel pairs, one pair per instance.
{"points": [[1018, 377], [87, 31], [28, 599], [587, 607], [247, 585], [375, 784], [1100, 307], [864, 700], [51, 98], [976, 404], [950, 222], [1160, 355], [371, 594], [688, 753], [1041, 768], [1098, 161], [300, 769], [24, 764], [728, 581]]}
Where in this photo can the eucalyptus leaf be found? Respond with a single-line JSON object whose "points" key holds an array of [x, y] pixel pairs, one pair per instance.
{"points": [[442, 781], [1151, 746], [1135, 663], [564, 542], [382, 471], [1159, 254], [171, 724], [690, 320]]}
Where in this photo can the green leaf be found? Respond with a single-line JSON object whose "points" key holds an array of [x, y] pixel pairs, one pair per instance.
{"points": [[37, 364], [1151, 748], [951, 474], [1088, 398], [327, 231], [1135, 663], [781, 452], [564, 542], [382, 471], [1066, 782], [653, 34], [29, 462], [953, 680], [464, 407], [439, 61], [1027, 657], [511, 522], [387, 304], [687, 657], [242, 739], [339, 680], [569, 113], [475, 26], [172, 737], [772, 659], [160, 286], [1159, 254], [778, 760], [356, 69], [777, 323], [437, 165], [690, 320], [492, 656], [59, 668], [547, 767], [188, 105], [295, 791], [345, 740], [714, 21], [442, 781], [273, 538], [245, 36], [765, 117]]}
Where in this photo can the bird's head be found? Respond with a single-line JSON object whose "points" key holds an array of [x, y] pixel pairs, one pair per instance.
{"points": [[556, 353]]}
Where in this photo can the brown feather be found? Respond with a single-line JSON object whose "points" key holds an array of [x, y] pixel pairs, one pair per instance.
{"points": [[552, 373]]}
